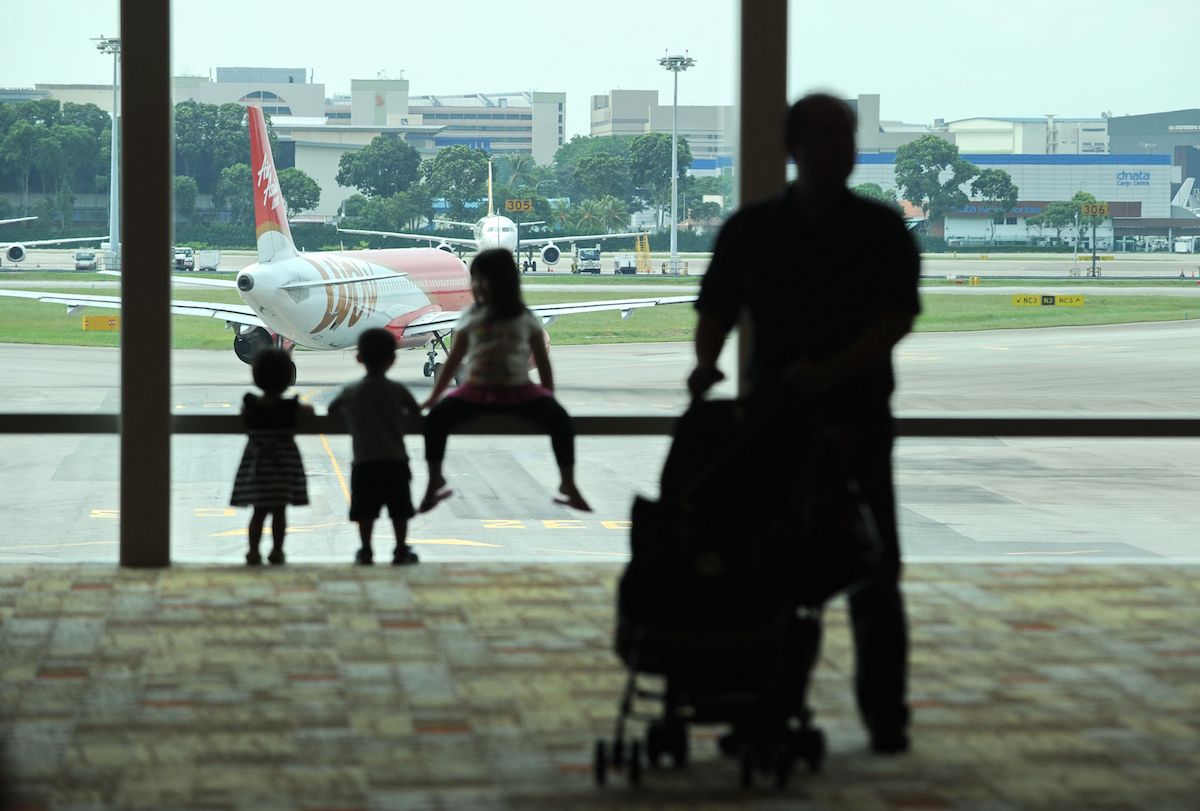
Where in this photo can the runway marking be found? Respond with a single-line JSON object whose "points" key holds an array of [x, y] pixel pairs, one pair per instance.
{"points": [[998, 348], [106, 513], [337, 469], [215, 512], [580, 552], [451, 542], [1068, 552]]}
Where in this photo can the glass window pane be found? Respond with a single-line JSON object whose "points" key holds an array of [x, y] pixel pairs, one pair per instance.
{"points": [[1059, 310], [56, 103]]}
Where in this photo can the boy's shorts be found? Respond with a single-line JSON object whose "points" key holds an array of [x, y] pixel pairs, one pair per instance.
{"points": [[376, 484]]}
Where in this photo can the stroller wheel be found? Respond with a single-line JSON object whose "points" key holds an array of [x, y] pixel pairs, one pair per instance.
{"points": [[600, 762]]}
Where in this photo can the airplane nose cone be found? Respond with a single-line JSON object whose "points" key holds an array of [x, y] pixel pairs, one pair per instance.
{"points": [[245, 282]]}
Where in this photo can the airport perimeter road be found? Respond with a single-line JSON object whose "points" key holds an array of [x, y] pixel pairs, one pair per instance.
{"points": [[985, 499]]}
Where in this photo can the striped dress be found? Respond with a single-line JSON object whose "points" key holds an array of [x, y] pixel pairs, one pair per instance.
{"points": [[271, 473]]}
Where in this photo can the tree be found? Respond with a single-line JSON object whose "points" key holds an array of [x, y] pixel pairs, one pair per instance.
{"points": [[996, 187], [1037, 222], [599, 176], [703, 212], [614, 214], [186, 192], [210, 138], [401, 210], [1058, 215], [235, 193], [930, 173], [873, 191], [300, 191], [650, 166], [382, 168], [568, 156], [589, 216], [18, 149], [457, 174], [517, 169], [1086, 222]]}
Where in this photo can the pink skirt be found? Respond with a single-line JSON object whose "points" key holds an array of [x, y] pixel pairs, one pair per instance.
{"points": [[500, 395]]}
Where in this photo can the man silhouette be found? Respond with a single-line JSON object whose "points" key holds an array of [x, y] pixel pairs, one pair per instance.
{"points": [[829, 283]]}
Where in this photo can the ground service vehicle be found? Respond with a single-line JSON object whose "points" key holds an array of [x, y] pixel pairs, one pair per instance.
{"points": [[85, 260], [625, 263], [208, 260], [185, 258], [586, 260]]}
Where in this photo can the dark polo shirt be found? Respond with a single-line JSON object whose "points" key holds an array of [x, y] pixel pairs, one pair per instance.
{"points": [[813, 285]]}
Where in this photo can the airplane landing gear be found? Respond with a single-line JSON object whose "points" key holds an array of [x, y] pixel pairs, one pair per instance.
{"points": [[432, 368]]}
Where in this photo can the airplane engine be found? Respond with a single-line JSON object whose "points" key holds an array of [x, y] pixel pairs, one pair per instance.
{"points": [[15, 253], [445, 247], [550, 254], [246, 345]]}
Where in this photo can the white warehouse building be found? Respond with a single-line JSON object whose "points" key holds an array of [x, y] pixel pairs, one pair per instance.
{"points": [[1134, 186]]}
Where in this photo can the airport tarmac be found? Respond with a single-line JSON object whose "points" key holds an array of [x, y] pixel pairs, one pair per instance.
{"points": [[977, 498]]}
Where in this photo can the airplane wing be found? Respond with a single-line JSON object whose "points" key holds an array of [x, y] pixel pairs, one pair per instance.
{"points": [[470, 243], [37, 242], [526, 242], [444, 321], [232, 313], [16, 219], [227, 284]]}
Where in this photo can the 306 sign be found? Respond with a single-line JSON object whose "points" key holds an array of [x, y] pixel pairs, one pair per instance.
{"points": [[1094, 209], [518, 205]]}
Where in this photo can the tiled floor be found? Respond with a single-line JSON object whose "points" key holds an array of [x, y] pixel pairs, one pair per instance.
{"points": [[479, 687]]}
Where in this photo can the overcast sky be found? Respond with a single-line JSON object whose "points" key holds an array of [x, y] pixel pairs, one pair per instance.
{"points": [[929, 59]]}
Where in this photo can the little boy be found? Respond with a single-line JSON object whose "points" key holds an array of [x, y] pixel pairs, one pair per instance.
{"points": [[375, 408]]}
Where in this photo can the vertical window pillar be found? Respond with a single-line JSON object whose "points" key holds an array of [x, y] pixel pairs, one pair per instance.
{"points": [[762, 102], [146, 200]]}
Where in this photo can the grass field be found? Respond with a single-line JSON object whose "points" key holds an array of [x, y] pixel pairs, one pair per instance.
{"points": [[23, 321]]}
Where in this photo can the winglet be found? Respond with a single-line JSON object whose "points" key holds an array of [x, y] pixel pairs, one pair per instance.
{"points": [[271, 229]]}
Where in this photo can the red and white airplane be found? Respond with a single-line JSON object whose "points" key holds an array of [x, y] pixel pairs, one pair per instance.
{"points": [[325, 300]]}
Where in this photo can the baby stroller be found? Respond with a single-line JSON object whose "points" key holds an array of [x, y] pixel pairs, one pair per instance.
{"points": [[723, 593]]}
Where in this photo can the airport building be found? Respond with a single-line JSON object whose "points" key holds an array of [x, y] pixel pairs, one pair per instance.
{"points": [[1046, 135], [315, 131], [708, 129], [1135, 186]]}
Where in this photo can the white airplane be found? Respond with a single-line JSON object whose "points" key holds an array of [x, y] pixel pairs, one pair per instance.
{"points": [[496, 231], [16, 251], [325, 300]]}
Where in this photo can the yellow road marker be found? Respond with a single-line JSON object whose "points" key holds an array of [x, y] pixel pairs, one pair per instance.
{"points": [[337, 469], [451, 542]]}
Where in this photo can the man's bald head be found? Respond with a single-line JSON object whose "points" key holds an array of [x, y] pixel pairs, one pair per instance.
{"points": [[819, 136]]}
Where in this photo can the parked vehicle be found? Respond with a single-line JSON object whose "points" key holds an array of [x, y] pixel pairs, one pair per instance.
{"points": [[624, 263], [185, 258], [208, 260], [85, 260], [586, 260]]}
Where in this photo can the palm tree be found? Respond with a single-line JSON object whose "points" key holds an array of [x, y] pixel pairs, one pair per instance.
{"points": [[590, 215], [614, 215], [520, 168], [561, 214]]}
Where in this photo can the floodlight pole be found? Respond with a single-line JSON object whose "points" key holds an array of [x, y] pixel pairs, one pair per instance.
{"points": [[112, 45], [675, 64]]}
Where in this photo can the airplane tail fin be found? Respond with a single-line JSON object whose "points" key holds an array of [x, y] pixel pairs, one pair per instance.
{"points": [[491, 211], [271, 229]]}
